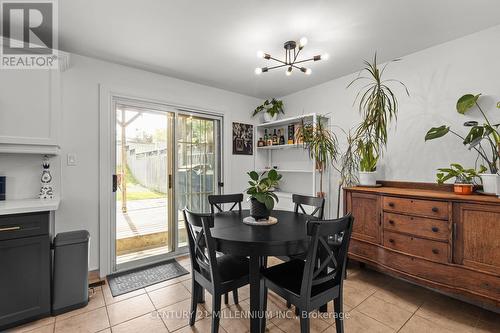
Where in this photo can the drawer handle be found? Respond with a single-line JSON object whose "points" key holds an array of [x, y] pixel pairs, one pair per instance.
{"points": [[391, 240], [435, 229], [391, 222], [10, 228], [391, 204], [435, 251], [435, 209]]}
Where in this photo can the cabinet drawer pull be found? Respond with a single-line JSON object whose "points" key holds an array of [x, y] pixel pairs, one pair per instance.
{"points": [[435, 229], [435, 209], [391, 222], [435, 251], [10, 228], [391, 240], [391, 204]]}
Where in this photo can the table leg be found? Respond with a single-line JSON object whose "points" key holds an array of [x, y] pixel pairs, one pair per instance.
{"points": [[255, 304]]}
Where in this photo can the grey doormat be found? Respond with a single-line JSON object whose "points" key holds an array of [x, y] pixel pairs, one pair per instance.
{"points": [[124, 282]]}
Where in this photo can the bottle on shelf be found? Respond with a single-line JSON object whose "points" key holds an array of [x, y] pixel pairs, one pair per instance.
{"points": [[291, 134], [275, 137], [261, 143], [265, 137], [282, 136]]}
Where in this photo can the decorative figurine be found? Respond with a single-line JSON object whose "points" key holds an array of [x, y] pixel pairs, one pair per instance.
{"points": [[46, 190]]}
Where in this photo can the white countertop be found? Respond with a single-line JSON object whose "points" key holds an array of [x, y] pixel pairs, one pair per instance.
{"points": [[28, 206]]}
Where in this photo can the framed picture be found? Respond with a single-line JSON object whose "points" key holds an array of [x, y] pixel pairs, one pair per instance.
{"points": [[242, 139]]}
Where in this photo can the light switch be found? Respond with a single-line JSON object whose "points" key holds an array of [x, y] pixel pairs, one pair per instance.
{"points": [[71, 159]]}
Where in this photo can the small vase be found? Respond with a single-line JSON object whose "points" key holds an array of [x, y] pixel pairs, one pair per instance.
{"points": [[490, 183], [367, 178], [464, 189], [258, 210], [268, 117]]}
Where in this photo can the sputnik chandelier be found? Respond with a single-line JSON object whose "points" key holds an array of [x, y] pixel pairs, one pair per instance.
{"points": [[292, 51]]}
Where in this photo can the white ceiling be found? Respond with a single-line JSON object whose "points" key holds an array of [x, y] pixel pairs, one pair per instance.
{"points": [[215, 42]]}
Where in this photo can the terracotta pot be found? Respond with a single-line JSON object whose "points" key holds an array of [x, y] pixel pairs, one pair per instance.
{"points": [[464, 189], [258, 210]]}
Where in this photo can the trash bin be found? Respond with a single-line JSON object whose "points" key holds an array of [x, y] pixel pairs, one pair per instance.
{"points": [[70, 277]]}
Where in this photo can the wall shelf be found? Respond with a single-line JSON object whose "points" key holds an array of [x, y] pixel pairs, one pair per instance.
{"points": [[286, 121], [7, 148], [287, 170], [275, 147]]}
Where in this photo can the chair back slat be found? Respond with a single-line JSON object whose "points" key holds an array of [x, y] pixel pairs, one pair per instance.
{"points": [[201, 244], [216, 201], [324, 264], [303, 200]]}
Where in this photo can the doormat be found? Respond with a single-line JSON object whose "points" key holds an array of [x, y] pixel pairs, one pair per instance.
{"points": [[137, 278]]}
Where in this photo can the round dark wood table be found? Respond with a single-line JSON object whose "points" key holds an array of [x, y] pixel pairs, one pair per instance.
{"points": [[287, 237]]}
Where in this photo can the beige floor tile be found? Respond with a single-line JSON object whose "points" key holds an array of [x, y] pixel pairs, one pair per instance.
{"points": [[354, 296], [292, 325], [89, 322], [109, 299], [150, 322], [33, 325], [176, 315], [271, 328], [389, 314], [357, 322], [235, 318], [169, 295], [129, 309], [168, 282], [403, 295], [418, 324], [95, 302], [488, 322], [43, 329], [107, 330], [202, 326], [329, 316]]}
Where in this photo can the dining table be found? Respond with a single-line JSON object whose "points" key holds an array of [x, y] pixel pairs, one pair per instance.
{"points": [[257, 242]]}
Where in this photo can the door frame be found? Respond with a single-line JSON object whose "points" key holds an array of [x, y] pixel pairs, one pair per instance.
{"points": [[107, 119]]}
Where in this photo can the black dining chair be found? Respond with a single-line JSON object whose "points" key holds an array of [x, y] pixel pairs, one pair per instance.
{"points": [[216, 201], [317, 203], [217, 275], [319, 279]]}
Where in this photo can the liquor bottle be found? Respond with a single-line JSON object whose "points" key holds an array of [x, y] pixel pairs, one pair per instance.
{"points": [[260, 143], [265, 137], [282, 137], [291, 134], [275, 137]]}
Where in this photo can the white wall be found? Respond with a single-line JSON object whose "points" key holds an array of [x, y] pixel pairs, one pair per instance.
{"points": [[436, 78]]}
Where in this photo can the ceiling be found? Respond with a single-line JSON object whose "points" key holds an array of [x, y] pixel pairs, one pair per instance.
{"points": [[215, 42]]}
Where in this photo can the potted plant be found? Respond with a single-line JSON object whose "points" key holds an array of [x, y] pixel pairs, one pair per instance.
{"points": [[378, 106], [321, 144], [271, 109], [367, 162], [483, 139], [261, 194], [464, 178]]}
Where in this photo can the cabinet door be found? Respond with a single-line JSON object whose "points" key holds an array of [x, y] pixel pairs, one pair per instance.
{"points": [[366, 211], [24, 279], [477, 236]]}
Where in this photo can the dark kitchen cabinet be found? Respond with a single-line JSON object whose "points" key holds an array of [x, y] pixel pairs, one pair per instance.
{"points": [[24, 268]]}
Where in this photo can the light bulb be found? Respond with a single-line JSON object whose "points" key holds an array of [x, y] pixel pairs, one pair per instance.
{"points": [[308, 71], [258, 70], [303, 42], [325, 56], [289, 71], [260, 54]]}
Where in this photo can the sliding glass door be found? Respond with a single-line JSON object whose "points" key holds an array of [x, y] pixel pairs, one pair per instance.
{"points": [[165, 160]]}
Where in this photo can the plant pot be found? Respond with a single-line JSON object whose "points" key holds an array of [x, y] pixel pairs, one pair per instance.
{"points": [[268, 117], [258, 210], [490, 183], [464, 189], [367, 178]]}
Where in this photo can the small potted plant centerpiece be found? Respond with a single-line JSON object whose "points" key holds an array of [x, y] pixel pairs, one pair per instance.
{"points": [[378, 106], [261, 196], [464, 178], [271, 109]]}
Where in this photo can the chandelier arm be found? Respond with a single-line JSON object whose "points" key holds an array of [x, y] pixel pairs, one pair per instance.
{"points": [[296, 55], [280, 61], [297, 67], [274, 67], [305, 60]]}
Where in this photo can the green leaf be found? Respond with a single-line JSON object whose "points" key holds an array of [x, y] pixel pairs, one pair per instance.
{"points": [[437, 132], [466, 102], [273, 174], [253, 175], [475, 134], [498, 105], [269, 202]]}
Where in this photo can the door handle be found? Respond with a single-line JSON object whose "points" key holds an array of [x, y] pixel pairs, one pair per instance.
{"points": [[10, 228], [169, 181], [115, 183], [221, 184]]}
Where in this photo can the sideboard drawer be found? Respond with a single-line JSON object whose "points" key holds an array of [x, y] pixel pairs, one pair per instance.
{"points": [[418, 226], [437, 251], [24, 225], [434, 209]]}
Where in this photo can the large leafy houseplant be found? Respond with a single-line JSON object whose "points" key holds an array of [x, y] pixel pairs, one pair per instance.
{"points": [[261, 193], [271, 108], [321, 144], [378, 106], [484, 139]]}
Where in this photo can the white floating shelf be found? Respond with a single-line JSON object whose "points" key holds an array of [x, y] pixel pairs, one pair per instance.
{"points": [[29, 149], [285, 121], [287, 146], [287, 170], [28, 206]]}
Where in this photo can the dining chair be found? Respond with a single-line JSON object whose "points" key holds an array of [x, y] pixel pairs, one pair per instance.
{"points": [[304, 200], [216, 201], [319, 279], [217, 275]]}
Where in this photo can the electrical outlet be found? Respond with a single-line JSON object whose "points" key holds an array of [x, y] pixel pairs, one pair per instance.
{"points": [[71, 159]]}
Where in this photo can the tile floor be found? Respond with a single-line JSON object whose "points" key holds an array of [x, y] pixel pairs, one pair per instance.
{"points": [[374, 303]]}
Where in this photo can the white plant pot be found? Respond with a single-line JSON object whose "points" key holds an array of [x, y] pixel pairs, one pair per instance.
{"points": [[268, 117], [367, 178], [490, 183]]}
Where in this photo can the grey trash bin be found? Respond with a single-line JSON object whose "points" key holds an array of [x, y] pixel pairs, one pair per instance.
{"points": [[71, 265]]}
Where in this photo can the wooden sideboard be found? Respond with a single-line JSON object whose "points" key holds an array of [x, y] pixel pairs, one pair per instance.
{"points": [[429, 236]]}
